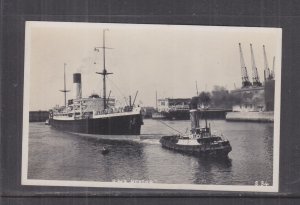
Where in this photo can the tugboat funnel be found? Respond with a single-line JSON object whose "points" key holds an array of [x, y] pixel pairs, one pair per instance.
{"points": [[77, 85], [194, 117]]}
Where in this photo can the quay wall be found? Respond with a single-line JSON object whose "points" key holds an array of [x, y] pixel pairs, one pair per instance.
{"points": [[250, 116]]}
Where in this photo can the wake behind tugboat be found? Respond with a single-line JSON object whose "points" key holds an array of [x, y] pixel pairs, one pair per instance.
{"points": [[200, 142]]}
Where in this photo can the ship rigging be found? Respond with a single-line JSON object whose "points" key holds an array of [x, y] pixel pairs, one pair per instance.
{"points": [[104, 72]]}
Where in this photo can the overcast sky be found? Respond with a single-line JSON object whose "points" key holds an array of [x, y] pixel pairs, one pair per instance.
{"points": [[169, 59]]}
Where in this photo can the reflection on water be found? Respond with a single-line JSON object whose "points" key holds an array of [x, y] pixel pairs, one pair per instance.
{"points": [[66, 156], [212, 171]]}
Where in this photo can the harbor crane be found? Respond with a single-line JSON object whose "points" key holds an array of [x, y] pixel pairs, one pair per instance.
{"points": [[267, 72], [255, 77], [273, 69], [245, 78]]}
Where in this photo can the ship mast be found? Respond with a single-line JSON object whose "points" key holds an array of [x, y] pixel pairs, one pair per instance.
{"points": [[64, 90], [104, 72], [156, 99]]}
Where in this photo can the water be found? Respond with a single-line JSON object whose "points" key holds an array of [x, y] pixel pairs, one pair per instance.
{"points": [[56, 155]]}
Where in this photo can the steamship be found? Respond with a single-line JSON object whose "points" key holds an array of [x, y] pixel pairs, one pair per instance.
{"points": [[95, 114]]}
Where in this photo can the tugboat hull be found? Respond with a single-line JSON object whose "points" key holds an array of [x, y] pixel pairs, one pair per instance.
{"points": [[214, 150]]}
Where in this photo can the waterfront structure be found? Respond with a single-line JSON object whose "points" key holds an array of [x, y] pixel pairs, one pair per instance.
{"points": [[174, 108], [269, 94], [256, 104], [252, 99]]}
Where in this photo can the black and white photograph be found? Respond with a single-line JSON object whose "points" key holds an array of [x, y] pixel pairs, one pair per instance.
{"points": [[176, 107]]}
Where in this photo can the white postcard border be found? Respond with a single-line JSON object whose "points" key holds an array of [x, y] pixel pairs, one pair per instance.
{"points": [[236, 188]]}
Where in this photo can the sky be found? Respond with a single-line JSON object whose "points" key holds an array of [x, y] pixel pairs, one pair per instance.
{"points": [[168, 59]]}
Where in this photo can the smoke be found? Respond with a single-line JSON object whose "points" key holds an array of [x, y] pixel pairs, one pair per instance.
{"points": [[80, 69], [219, 97]]}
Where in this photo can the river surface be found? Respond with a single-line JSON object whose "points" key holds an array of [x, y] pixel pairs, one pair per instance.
{"points": [[57, 155]]}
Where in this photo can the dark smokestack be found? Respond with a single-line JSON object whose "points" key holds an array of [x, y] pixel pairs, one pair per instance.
{"points": [[194, 117], [77, 85]]}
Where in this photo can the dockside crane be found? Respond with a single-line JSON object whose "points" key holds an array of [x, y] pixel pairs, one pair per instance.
{"points": [[245, 78], [255, 77], [273, 68], [268, 74]]}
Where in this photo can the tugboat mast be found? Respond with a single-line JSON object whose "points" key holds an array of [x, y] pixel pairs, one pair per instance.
{"points": [[64, 90], [104, 72]]}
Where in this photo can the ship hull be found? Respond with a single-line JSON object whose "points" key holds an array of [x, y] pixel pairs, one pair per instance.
{"points": [[117, 125], [170, 142]]}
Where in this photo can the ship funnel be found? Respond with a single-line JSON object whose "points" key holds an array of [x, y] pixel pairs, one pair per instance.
{"points": [[77, 85], [194, 117]]}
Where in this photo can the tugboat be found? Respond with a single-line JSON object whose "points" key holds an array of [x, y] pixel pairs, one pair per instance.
{"points": [[199, 142]]}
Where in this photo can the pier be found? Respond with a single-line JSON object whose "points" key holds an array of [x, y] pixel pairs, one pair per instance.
{"points": [[250, 116]]}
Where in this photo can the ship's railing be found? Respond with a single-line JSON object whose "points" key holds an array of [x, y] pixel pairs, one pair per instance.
{"points": [[62, 116], [114, 111], [179, 107], [90, 114], [174, 108]]}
